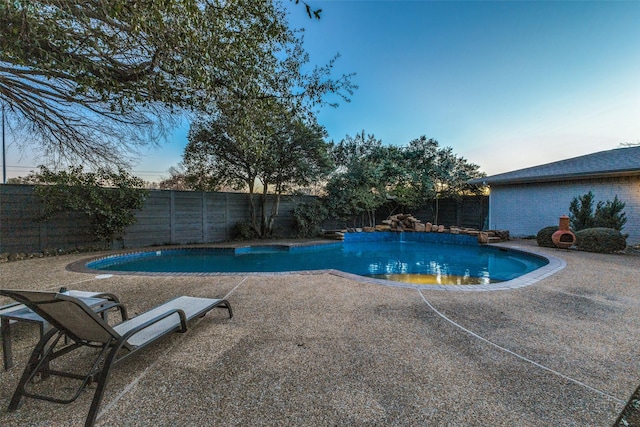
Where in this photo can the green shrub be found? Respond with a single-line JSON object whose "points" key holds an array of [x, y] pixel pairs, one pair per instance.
{"points": [[308, 217], [108, 198], [607, 215], [610, 214], [581, 209], [544, 236], [600, 239], [244, 230]]}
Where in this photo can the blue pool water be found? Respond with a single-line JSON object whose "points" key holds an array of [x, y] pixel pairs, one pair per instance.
{"points": [[411, 261]]}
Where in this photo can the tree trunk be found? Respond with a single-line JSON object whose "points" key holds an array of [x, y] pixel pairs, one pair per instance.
{"points": [[263, 212], [274, 212], [252, 209]]}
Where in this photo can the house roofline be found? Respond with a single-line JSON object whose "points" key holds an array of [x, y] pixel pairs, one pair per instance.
{"points": [[556, 177]]}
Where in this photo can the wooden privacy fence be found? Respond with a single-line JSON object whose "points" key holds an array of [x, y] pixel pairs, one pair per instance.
{"points": [[174, 217]]}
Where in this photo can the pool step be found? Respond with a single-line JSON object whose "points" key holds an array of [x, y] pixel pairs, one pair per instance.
{"points": [[334, 235]]}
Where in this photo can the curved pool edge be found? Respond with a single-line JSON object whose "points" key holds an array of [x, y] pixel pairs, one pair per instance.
{"points": [[554, 265], [80, 266]]}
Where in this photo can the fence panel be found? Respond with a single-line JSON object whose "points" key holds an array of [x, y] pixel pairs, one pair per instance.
{"points": [[22, 231], [153, 226], [187, 221], [217, 217], [177, 217]]}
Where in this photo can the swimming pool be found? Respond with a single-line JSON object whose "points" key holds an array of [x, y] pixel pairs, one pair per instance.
{"points": [[381, 255]]}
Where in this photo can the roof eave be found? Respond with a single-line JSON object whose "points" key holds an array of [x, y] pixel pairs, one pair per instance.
{"points": [[556, 178]]}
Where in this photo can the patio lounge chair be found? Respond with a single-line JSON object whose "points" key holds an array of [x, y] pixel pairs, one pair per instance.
{"points": [[75, 321], [17, 312]]}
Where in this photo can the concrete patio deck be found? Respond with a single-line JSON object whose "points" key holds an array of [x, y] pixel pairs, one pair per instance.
{"points": [[327, 350]]}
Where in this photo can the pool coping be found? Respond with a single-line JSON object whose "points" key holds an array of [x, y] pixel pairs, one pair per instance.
{"points": [[554, 265]]}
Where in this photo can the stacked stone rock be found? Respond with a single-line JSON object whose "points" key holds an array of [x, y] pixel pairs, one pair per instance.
{"points": [[401, 222], [407, 222]]}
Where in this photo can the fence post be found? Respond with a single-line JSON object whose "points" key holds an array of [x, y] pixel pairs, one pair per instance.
{"points": [[205, 232], [172, 217], [226, 216]]}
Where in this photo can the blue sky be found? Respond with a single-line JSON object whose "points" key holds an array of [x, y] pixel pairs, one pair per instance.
{"points": [[506, 84]]}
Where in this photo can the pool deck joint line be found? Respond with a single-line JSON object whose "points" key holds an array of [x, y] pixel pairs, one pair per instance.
{"points": [[519, 356]]}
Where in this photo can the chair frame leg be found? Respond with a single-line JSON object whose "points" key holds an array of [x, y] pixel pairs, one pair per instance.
{"points": [[39, 357], [38, 363], [225, 304], [109, 362]]}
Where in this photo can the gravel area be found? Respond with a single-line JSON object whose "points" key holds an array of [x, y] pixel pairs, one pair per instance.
{"points": [[324, 349]]}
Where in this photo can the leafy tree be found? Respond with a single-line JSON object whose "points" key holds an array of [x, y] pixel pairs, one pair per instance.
{"points": [[424, 172], [108, 198], [177, 179], [372, 176], [354, 195], [415, 177], [452, 174], [353, 149], [92, 79], [358, 187], [261, 142]]}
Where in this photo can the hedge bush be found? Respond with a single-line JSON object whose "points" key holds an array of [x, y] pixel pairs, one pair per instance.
{"points": [[308, 217], [544, 236], [600, 239], [243, 230]]}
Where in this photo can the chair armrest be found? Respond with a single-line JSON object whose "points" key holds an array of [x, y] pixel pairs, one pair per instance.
{"points": [[112, 297], [108, 306], [108, 296], [142, 326]]}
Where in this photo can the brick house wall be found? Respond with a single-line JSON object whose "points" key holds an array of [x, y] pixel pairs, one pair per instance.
{"points": [[524, 209]]}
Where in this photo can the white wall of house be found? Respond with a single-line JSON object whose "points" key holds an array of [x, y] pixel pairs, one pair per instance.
{"points": [[524, 209]]}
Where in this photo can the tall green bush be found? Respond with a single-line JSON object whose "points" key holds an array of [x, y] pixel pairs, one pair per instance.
{"points": [[108, 198], [610, 214], [607, 214], [581, 209]]}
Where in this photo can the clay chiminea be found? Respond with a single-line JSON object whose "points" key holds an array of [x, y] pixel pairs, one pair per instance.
{"points": [[563, 238]]}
